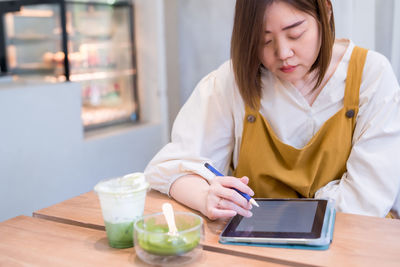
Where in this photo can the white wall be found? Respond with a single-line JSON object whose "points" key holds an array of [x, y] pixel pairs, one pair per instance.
{"points": [[45, 157], [171, 22], [205, 29], [355, 20], [373, 24], [151, 61], [197, 41]]}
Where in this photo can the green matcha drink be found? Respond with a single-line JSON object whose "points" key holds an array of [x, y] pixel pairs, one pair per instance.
{"points": [[166, 245], [151, 235], [122, 202], [120, 235]]}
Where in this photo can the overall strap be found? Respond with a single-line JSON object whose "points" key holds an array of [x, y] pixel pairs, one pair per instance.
{"points": [[354, 75]]}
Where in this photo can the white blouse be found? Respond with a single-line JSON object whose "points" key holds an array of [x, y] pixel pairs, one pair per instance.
{"points": [[209, 128]]}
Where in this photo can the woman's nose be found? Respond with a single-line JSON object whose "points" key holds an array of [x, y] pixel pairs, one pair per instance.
{"points": [[283, 50]]}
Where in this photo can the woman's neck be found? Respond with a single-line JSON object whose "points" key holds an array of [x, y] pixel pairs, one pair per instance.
{"points": [[306, 86]]}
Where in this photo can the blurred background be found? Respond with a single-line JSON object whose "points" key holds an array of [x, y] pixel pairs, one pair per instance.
{"points": [[89, 89]]}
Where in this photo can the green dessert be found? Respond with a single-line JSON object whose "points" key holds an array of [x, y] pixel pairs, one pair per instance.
{"points": [[156, 240], [120, 234]]}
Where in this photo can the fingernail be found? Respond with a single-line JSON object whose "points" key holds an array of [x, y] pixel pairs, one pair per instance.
{"points": [[249, 214], [252, 193]]}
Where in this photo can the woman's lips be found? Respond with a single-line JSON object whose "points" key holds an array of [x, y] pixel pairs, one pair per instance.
{"points": [[287, 69]]}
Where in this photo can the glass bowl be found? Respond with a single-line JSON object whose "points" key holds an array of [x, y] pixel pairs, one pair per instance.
{"points": [[154, 245]]}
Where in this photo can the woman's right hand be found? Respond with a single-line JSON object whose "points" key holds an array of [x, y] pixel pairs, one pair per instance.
{"points": [[222, 201]]}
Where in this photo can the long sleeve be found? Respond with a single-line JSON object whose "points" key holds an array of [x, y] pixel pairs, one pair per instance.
{"points": [[202, 132], [372, 180]]}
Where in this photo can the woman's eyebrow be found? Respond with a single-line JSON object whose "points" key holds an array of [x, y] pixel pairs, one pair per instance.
{"points": [[290, 26]]}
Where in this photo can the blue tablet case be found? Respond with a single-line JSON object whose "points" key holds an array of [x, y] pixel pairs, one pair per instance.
{"points": [[327, 227]]}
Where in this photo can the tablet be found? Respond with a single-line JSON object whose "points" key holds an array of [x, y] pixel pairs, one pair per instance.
{"points": [[282, 221]]}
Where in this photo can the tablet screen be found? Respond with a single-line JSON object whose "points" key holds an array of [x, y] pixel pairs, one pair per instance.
{"points": [[280, 218]]}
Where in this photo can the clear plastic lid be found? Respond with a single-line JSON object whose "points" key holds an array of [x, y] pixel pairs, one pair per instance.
{"points": [[127, 184]]}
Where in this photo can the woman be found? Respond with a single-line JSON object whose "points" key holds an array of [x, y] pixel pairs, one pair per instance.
{"points": [[295, 113]]}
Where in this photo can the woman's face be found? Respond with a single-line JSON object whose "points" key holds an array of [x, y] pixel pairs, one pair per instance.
{"points": [[291, 42]]}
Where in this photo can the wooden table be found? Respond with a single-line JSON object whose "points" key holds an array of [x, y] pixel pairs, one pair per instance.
{"points": [[37, 242], [357, 240]]}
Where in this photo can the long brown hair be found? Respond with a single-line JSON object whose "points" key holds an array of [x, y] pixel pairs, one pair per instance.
{"points": [[247, 35]]}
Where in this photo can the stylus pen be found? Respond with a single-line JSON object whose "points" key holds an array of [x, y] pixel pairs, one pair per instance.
{"points": [[246, 196]]}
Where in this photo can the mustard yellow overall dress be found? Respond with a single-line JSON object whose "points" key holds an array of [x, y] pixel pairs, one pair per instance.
{"points": [[277, 170]]}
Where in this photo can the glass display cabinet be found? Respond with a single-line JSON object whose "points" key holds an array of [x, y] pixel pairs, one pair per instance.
{"points": [[90, 42]]}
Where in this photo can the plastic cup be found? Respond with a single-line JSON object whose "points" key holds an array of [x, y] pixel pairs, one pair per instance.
{"points": [[122, 202]]}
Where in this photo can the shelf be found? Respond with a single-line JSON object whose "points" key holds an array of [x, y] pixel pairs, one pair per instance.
{"points": [[93, 117], [101, 75], [99, 2], [35, 13], [33, 68], [94, 37], [22, 40], [76, 39]]}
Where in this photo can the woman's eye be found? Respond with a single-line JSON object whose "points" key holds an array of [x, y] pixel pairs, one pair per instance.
{"points": [[295, 36], [268, 42]]}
